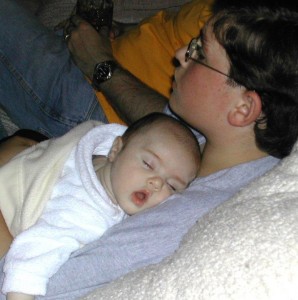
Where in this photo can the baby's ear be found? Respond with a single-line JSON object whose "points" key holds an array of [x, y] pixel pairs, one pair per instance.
{"points": [[115, 149]]}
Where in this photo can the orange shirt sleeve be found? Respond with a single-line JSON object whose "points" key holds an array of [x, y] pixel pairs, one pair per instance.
{"points": [[147, 50]]}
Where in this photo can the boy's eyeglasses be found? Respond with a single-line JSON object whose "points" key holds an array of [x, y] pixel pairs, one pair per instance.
{"points": [[195, 53]]}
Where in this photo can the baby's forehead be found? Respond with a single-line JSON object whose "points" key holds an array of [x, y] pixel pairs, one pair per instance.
{"points": [[169, 131], [180, 133], [175, 138], [166, 126]]}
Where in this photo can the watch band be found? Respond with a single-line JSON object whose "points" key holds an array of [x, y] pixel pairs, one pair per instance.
{"points": [[103, 71]]}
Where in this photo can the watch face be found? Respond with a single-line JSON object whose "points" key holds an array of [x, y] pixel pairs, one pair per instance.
{"points": [[103, 72]]}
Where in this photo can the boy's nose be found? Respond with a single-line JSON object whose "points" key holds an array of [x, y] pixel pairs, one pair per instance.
{"points": [[155, 183], [180, 56]]}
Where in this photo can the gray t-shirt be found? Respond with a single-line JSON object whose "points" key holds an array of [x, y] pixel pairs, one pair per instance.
{"points": [[148, 237]]}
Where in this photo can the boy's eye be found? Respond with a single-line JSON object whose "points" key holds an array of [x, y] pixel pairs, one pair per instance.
{"points": [[200, 53], [201, 56]]}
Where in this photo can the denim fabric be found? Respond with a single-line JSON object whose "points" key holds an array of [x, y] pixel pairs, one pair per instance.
{"points": [[40, 86]]}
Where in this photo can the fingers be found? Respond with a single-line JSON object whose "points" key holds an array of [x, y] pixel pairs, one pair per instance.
{"points": [[105, 31], [70, 25], [75, 20]]}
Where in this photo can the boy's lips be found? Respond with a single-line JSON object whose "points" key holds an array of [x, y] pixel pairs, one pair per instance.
{"points": [[139, 198], [174, 84]]}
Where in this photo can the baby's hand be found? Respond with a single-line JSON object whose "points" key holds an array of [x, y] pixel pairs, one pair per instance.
{"points": [[18, 296]]}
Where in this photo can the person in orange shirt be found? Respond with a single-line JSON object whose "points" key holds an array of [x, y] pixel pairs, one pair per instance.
{"points": [[152, 45]]}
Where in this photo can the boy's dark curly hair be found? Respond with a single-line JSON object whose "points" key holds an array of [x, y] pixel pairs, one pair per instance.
{"points": [[262, 46], [273, 4]]}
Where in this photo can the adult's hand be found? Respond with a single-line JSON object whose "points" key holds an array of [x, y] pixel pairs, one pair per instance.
{"points": [[130, 97], [13, 146], [5, 237], [87, 46]]}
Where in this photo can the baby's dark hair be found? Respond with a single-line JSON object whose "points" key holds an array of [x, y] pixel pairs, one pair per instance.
{"points": [[184, 135]]}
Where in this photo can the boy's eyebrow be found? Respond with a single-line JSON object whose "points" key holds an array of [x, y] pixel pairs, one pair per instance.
{"points": [[203, 37], [204, 41]]}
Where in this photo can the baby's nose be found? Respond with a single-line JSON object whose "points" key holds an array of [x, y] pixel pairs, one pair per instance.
{"points": [[155, 183]]}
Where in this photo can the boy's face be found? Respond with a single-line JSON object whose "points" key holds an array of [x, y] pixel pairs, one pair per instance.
{"points": [[150, 168], [201, 96]]}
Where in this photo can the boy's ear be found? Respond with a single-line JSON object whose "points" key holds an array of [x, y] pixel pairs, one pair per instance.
{"points": [[247, 110], [115, 149]]}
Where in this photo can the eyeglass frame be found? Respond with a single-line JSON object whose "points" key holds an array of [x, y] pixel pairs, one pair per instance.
{"points": [[194, 46]]}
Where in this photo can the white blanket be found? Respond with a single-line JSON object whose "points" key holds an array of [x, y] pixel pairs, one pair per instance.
{"points": [[246, 248], [45, 165]]}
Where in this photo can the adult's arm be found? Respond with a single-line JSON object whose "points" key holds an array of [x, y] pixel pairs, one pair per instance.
{"points": [[13, 146], [5, 237], [129, 96], [9, 149]]}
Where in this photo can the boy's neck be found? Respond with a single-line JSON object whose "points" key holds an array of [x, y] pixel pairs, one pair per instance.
{"points": [[215, 159]]}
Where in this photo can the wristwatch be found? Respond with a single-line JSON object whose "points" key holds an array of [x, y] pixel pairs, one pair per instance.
{"points": [[103, 71]]}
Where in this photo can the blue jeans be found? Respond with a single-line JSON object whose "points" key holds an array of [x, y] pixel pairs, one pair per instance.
{"points": [[40, 86]]}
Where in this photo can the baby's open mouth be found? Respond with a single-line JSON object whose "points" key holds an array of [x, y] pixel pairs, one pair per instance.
{"points": [[139, 198]]}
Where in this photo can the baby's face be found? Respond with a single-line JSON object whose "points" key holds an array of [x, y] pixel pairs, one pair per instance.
{"points": [[150, 168]]}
